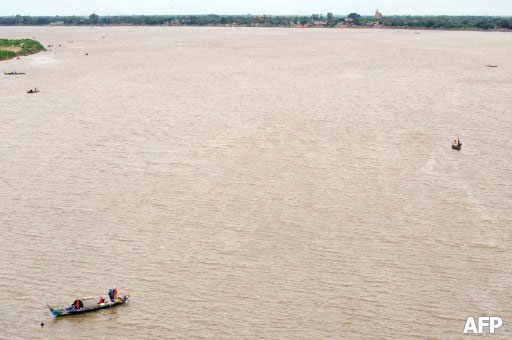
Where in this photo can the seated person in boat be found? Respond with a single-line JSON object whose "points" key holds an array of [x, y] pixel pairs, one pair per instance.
{"points": [[78, 304]]}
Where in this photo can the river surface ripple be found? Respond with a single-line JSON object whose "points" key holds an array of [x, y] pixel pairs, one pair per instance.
{"points": [[256, 182]]}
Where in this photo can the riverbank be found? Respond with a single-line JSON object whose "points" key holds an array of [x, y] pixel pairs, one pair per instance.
{"points": [[359, 27], [355, 27], [348, 27], [484, 23], [12, 48]]}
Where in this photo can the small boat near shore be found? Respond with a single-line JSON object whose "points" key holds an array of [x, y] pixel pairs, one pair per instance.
{"points": [[33, 91], [88, 304], [489, 65], [14, 73]]}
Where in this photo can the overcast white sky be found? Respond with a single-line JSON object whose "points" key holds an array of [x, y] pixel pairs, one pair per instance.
{"points": [[306, 7]]}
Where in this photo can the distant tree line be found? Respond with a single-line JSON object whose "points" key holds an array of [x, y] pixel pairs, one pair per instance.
{"points": [[460, 22], [315, 20]]}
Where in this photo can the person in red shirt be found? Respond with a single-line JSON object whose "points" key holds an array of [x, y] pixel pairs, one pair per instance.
{"points": [[101, 300], [115, 293]]}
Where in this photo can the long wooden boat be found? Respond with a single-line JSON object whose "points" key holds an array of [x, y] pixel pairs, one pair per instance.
{"points": [[14, 73], [88, 305]]}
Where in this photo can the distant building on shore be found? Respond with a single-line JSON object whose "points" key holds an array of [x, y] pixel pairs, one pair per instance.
{"points": [[56, 23], [378, 15]]}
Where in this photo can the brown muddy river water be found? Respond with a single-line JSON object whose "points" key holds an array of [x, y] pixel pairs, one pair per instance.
{"points": [[256, 183]]}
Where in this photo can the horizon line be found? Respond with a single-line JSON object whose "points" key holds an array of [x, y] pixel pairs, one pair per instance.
{"points": [[258, 14]]}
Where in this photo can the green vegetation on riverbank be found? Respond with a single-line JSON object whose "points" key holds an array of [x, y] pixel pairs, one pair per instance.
{"points": [[12, 48], [4, 55], [315, 20]]}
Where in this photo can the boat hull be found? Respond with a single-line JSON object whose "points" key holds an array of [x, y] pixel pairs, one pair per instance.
{"points": [[73, 311]]}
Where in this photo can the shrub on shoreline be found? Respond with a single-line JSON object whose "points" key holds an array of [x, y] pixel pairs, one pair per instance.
{"points": [[4, 55]]}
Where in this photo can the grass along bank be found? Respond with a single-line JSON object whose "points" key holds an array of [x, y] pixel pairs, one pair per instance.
{"points": [[13, 48]]}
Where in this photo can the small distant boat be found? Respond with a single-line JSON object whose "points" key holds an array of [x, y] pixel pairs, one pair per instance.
{"points": [[33, 91], [489, 65], [85, 305], [14, 73], [456, 144]]}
